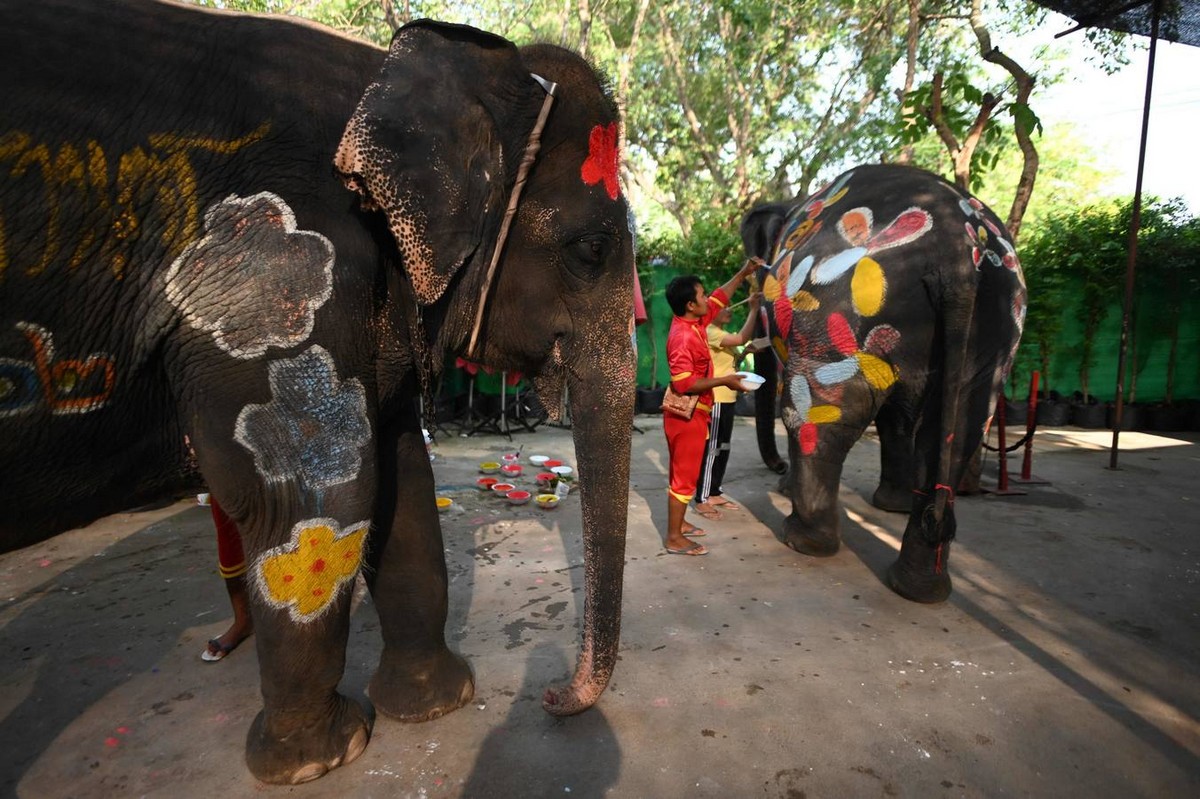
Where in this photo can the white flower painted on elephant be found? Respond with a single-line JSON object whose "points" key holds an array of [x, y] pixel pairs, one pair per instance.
{"points": [[253, 281], [305, 575], [313, 428]]}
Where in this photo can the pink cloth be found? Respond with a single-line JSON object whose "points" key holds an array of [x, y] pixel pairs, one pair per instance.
{"points": [[639, 305]]}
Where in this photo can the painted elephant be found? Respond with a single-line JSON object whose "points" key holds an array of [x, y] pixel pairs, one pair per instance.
{"points": [[890, 296], [190, 295]]}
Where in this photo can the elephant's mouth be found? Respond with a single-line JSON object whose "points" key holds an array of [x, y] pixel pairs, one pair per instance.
{"points": [[549, 381]]}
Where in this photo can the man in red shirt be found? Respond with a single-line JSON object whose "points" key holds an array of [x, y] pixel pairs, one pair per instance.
{"points": [[691, 370]]}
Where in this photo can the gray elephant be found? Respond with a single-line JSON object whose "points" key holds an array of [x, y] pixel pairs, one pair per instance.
{"points": [[189, 295], [892, 297]]}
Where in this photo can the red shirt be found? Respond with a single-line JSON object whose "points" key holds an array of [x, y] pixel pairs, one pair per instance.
{"points": [[688, 358]]}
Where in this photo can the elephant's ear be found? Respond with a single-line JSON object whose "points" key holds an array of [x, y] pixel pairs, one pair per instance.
{"points": [[433, 141], [761, 227]]}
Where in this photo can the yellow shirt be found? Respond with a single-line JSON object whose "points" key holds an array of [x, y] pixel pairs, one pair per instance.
{"points": [[723, 359]]}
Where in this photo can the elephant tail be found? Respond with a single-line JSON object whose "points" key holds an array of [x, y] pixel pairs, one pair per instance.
{"points": [[960, 394]]}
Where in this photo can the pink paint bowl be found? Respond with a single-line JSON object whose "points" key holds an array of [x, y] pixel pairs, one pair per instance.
{"points": [[486, 483], [518, 497], [503, 488], [510, 457]]}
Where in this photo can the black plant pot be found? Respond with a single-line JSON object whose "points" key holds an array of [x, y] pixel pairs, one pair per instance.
{"points": [[1015, 413], [649, 400], [1165, 418], [1052, 413], [1092, 415], [1131, 416]]}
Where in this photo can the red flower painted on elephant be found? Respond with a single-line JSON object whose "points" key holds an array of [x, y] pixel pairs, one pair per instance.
{"points": [[602, 160]]}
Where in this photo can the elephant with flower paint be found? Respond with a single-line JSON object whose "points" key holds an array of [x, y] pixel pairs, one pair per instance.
{"points": [[893, 297]]}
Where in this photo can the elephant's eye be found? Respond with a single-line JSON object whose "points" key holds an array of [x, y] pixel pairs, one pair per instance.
{"points": [[589, 253]]}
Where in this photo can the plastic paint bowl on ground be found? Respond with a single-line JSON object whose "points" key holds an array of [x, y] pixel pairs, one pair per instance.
{"points": [[751, 381], [503, 488], [550, 464], [486, 483], [489, 467], [518, 497], [546, 478], [512, 469], [547, 501], [562, 471], [510, 457], [444, 504], [539, 460]]}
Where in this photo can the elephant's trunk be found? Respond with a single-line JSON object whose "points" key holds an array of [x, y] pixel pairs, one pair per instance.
{"points": [[765, 409], [601, 405]]}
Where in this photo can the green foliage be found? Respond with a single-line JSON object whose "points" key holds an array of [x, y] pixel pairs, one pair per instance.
{"points": [[713, 252], [1081, 255]]}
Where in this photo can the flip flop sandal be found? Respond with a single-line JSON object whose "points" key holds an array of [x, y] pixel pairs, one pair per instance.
{"points": [[713, 514], [695, 549], [209, 656], [695, 532], [726, 504]]}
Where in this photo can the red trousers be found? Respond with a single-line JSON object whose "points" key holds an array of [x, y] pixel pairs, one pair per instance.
{"points": [[230, 557], [685, 443]]}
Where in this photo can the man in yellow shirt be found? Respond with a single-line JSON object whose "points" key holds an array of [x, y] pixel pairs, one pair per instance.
{"points": [[722, 346]]}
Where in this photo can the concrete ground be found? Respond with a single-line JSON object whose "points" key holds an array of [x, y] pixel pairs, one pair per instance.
{"points": [[1064, 664]]}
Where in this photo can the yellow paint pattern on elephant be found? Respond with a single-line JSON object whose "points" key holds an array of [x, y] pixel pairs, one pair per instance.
{"points": [[805, 301], [91, 215], [307, 578], [824, 414], [771, 289], [878, 372], [868, 287]]}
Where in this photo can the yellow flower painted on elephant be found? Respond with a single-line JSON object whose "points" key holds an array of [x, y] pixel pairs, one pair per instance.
{"points": [[304, 575]]}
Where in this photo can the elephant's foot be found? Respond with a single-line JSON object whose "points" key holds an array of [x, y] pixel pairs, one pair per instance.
{"points": [[302, 748], [893, 498], [420, 689], [806, 540], [921, 573]]}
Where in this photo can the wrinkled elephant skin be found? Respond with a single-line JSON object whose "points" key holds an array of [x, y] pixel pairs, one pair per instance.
{"points": [[892, 297], [190, 295]]}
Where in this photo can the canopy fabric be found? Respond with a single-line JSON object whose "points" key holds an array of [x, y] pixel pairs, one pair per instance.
{"points": [[1179, 20]]}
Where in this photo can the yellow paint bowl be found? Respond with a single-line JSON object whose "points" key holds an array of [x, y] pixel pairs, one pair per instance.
{"points": [[489, 467], [444, 504], [547, 501]]}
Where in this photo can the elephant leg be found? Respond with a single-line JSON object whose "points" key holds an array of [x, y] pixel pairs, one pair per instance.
{"points": [[943, 450], [418, 677], [813, 526], [301, 583], [306, 727], [895, 490]]}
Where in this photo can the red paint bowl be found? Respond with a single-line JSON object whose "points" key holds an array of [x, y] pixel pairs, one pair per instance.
{"points": [[518, 497], [503, 488], [551, 464], [545, 478], [486, 483], [512, 470]]}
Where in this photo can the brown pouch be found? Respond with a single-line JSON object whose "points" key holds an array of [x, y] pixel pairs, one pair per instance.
{"points": [[681, 405]]}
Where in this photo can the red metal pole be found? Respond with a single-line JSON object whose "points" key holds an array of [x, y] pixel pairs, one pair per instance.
{"points": [[1030, 423], [1003, 460]]}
